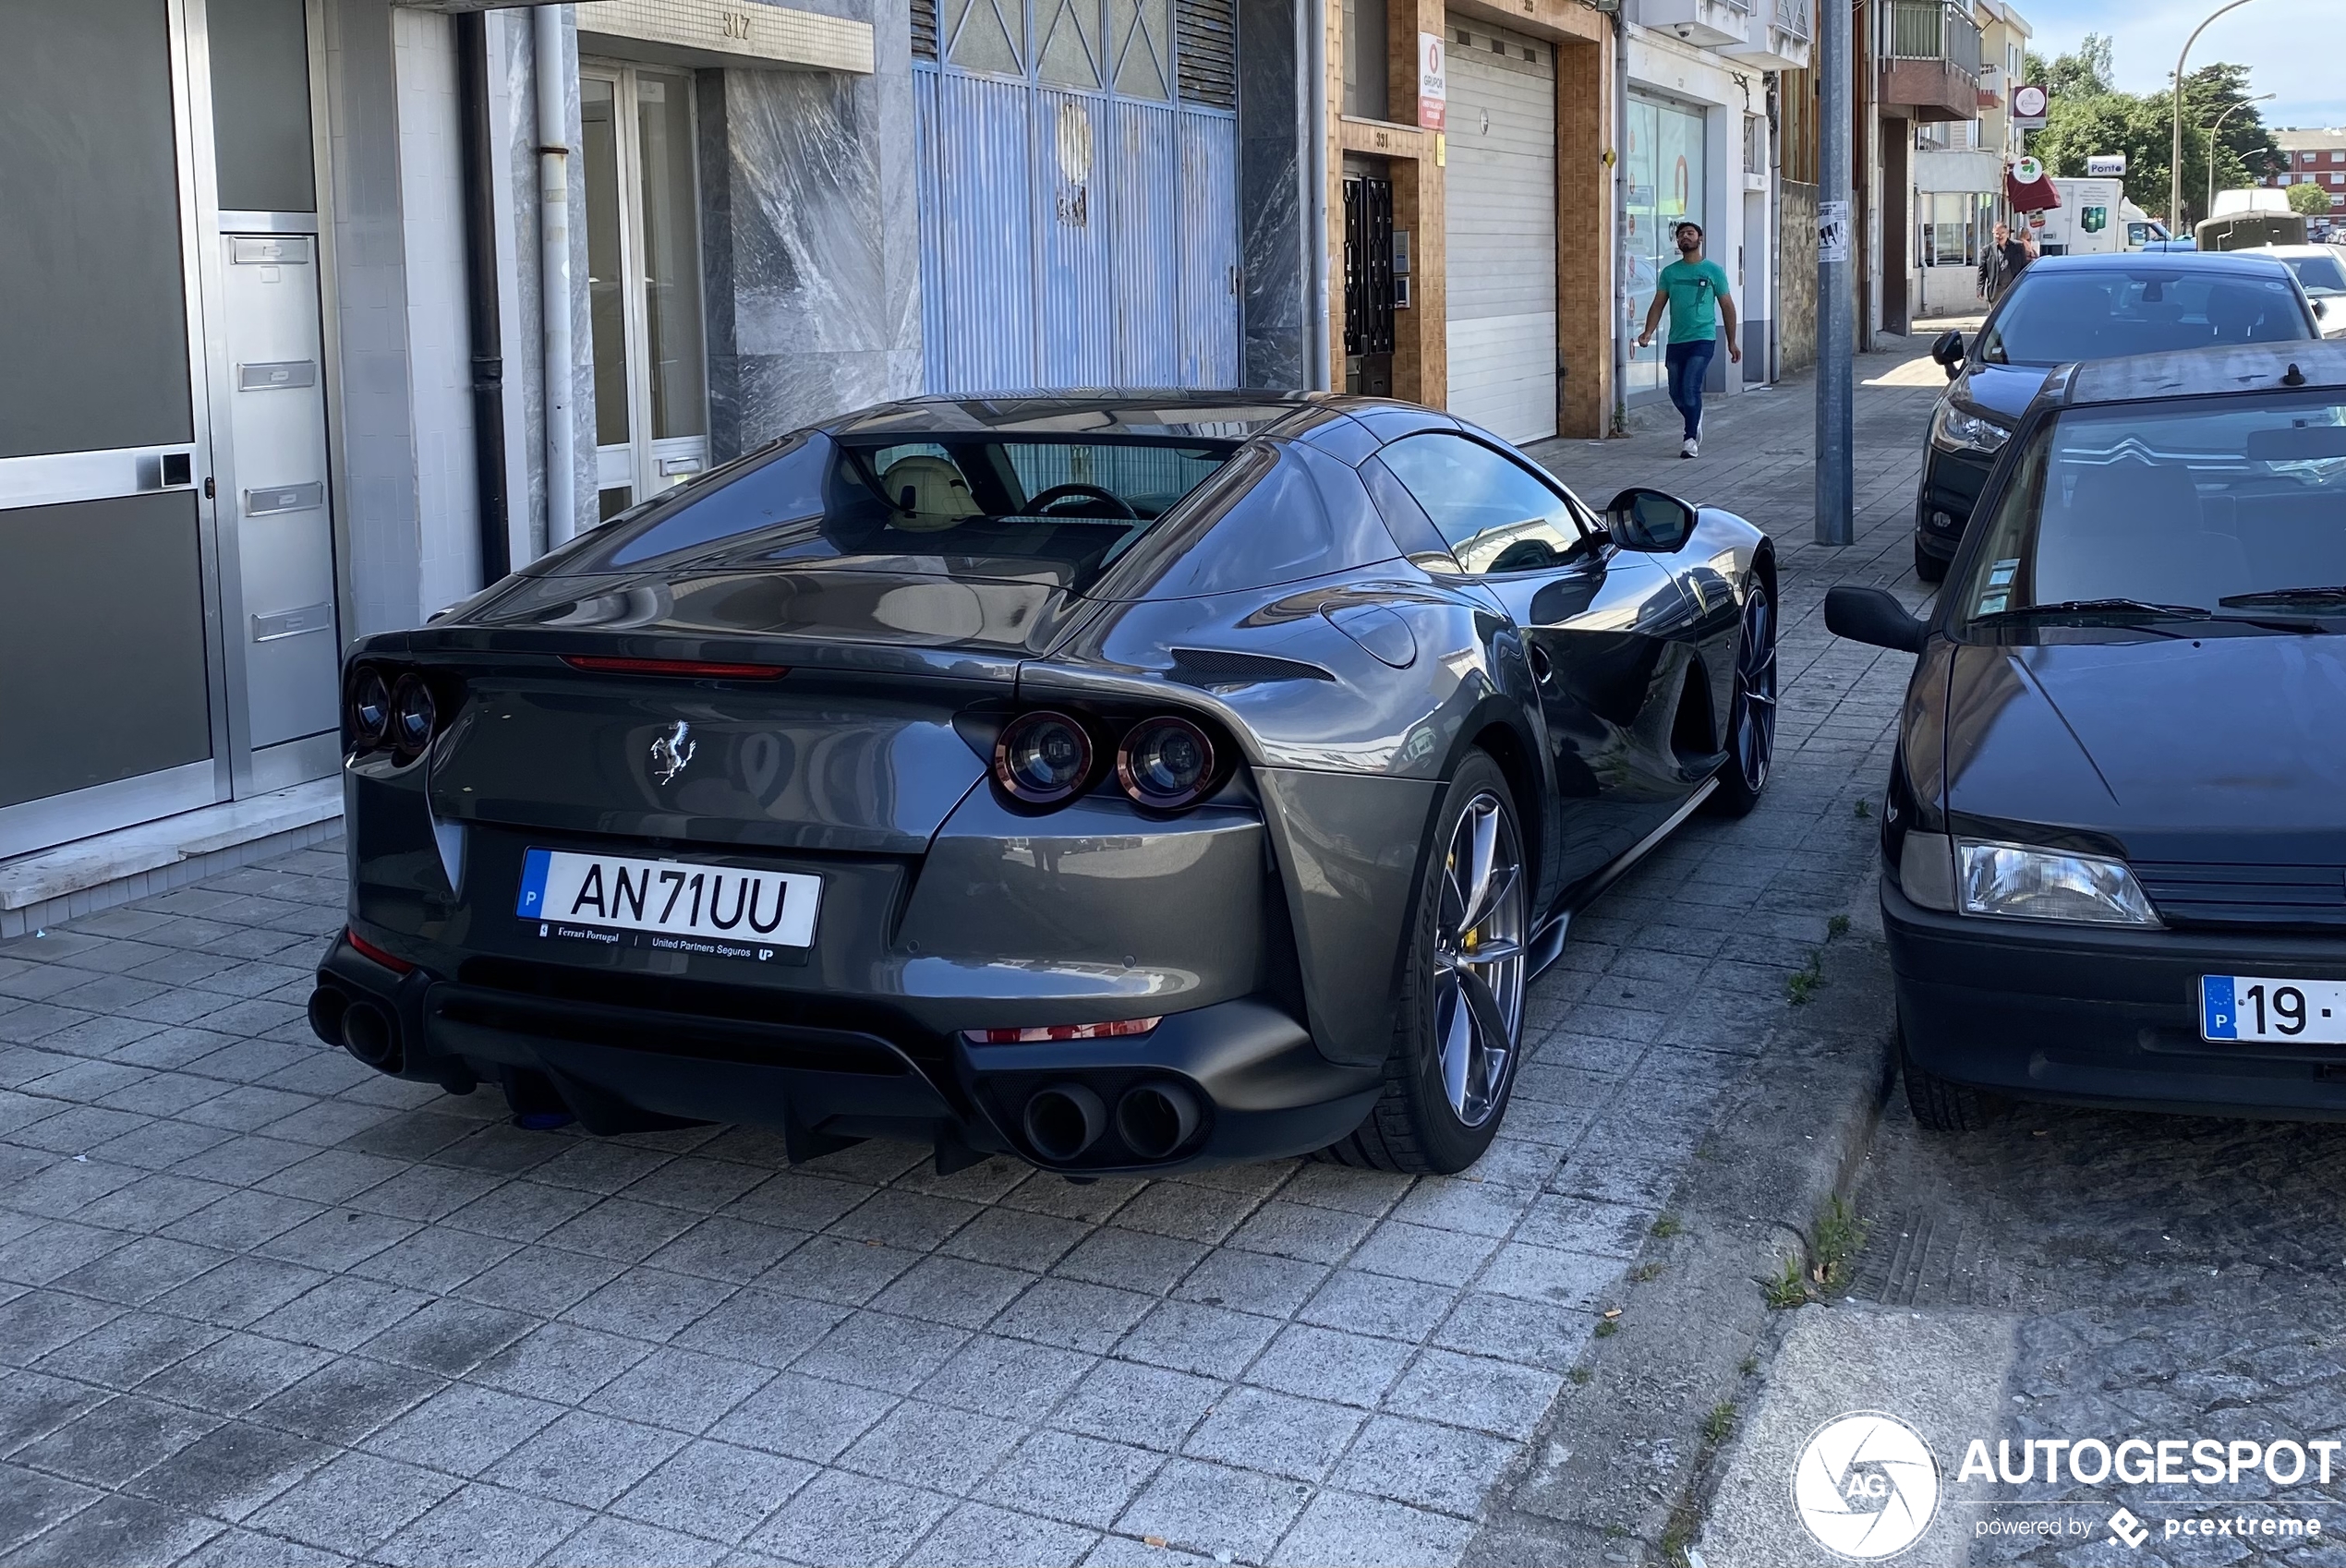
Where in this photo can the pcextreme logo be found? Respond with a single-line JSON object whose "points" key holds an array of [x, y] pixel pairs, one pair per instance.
{"points": [[1866, 1485]]}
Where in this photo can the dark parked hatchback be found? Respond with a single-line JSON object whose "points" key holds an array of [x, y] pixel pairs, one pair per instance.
{"points": [[2068, 309], [2114, 836]]}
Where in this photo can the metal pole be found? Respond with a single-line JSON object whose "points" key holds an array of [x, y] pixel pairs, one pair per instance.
{"points": [[1836, 324], [2175, 159], [2209, 210], [1625, 307], [550, 62]]}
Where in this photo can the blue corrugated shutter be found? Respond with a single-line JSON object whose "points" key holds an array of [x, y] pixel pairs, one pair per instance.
{"points": [[1209, 322], [1080, 284], [1073, 239], [978, 232], [1147, 195]]}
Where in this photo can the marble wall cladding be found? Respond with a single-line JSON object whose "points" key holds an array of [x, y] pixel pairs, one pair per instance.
{"points": [[1271, 115], [813, 252]]}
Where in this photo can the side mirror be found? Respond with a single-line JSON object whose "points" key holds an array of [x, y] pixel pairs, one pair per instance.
{"points": [[1653, 521], [1872, 616], [1948, 351]]}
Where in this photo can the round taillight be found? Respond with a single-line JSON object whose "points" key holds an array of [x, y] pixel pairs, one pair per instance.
{"points": [[1166, 763], [1042, 758], [369, 709], [413, 715]]}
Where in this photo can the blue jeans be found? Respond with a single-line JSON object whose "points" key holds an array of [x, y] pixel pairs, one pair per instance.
{"points": [[1690, 363]]}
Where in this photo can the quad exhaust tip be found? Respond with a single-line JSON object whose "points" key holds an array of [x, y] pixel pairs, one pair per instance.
{"points": [[1063, 1120], [1155, 1120], [357, 1026]]}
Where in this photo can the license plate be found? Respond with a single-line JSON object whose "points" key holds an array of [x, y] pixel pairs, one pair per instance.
{"points": [[2252, 1007], [672, 903]]}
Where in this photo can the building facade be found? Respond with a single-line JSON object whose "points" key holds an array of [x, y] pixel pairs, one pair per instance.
{"points": [[2315, 158]]}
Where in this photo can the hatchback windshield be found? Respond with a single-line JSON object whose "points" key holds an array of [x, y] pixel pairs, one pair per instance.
{"points": [[2214, 511], [2054, 317], [975, 506]]}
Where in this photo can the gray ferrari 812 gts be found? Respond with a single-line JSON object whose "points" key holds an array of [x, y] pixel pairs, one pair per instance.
{"points": [[1129, 783]]}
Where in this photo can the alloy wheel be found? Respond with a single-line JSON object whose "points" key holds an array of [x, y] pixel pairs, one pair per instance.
{"points": [[1755, 701], [1479, 960]]}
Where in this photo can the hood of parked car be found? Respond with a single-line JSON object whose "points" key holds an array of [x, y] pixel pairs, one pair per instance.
{"points": [[2004, 390], [2216, 748]]}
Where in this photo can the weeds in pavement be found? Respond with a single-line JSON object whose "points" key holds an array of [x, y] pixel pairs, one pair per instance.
{"points": [[1667, 1226], [1825, 1262], [1804, 982], [1865, 810], [1607, 1329], [1840, 1236], [1685, 1519], [1645, 1272], [1750, 1365], [1788, 1287], [1719, 1424], [1580, 1374], [1837, 926]]}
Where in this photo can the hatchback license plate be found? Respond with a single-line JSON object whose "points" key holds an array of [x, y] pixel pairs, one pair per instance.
{"points": [[2252, 1007], [774, 908]]}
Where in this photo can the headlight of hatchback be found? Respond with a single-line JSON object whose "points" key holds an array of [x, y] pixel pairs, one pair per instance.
{"points": [[2009, 879], [1956, 431]]}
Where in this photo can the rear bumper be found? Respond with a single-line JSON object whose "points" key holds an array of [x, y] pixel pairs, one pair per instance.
{"points": [[2102, 1018], [1260, 1086]]}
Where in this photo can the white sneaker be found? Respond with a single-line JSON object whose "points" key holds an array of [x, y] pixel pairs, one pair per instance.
{"points": [[1689, 447]]}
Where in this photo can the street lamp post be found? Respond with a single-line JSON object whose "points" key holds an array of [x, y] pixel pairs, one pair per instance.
{"points": [[2175, 161], [2228, 111]]}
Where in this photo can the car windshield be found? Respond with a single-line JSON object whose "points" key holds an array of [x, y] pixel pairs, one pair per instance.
{"points": [[2216, 510], [2053, 317], [951, 504], [2321, 274]]}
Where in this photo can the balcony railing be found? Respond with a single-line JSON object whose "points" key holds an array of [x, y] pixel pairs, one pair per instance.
{"points": [[1930, 30], [1792, 16], [1743, 5]]}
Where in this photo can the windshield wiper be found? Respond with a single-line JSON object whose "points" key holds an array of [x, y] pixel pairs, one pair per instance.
{"points": [[2096, 607], [2286, 597]]}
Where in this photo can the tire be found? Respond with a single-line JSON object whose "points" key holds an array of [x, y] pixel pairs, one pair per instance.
{"points": [[1941, 1104], [1751, 715], [1928, 567], [1446, 1085]]}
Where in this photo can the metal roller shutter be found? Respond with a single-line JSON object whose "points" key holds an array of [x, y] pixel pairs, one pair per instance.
{"points": [[1501, 230]]}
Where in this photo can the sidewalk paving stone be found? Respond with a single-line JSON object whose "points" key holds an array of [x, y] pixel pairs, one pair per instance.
{"points": [[264, 1305]]}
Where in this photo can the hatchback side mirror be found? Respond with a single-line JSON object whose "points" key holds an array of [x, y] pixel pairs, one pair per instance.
{"points": [[1874, 617], [1948, 351], [1652, 520]]}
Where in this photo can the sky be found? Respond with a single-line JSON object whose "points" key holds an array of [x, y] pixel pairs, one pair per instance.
{"points": [[2292, 47]]}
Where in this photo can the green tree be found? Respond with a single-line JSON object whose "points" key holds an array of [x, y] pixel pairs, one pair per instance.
{"points": [[2087, 114], [2309, 200]]}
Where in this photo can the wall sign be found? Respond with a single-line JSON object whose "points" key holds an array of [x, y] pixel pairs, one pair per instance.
{"points": [[2028, 104], [1433, 81], [1832, 231], [2105, 165]]}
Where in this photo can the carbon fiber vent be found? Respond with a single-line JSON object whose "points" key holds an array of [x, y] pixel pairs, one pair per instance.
{"points": [[1212, 667]]}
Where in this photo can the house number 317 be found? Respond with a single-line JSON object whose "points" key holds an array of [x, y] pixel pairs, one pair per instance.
{"points": [[737, 24]]}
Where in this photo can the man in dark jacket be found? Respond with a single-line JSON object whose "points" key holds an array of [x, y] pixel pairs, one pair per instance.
{"points": [[2003, 262]]}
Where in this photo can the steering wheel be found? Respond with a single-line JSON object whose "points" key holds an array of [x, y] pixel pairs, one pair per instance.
{"points": [[1042, 504]]}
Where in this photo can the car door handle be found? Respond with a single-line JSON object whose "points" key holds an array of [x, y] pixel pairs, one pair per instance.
{"points": [[1543, 668]]}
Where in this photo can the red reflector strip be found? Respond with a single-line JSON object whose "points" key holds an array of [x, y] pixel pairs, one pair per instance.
{"points": [[689, 669], [1060, 1032], [367, 950]]}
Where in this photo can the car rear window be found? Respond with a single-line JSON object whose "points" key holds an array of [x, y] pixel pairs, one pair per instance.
{"points": [[2053, 318], [952, 505]]}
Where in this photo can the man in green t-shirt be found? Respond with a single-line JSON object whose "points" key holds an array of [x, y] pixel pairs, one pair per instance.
{"points": [[1696, 291]]}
